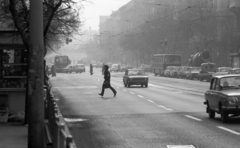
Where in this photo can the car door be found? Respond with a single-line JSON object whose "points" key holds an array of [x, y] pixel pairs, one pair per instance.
{"points": [[209, 95], [217, 95]]}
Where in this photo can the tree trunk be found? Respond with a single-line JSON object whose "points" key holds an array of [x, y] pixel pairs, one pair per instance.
{"points": [[35, 85]]}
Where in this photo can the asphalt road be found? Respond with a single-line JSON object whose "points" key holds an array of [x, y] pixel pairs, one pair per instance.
{"points": [[170, 112]]}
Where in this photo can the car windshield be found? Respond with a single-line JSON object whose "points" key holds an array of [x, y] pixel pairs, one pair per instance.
{"points": [[230, 82], [136, 72]]}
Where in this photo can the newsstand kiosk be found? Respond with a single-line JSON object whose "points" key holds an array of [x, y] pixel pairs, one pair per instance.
{"points": [[13, 79]]}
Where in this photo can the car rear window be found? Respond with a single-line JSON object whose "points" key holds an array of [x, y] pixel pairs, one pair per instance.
{"points": [[136, 72]]}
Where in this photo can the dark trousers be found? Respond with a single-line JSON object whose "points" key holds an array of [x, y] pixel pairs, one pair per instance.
{"points": [[107, 86]]}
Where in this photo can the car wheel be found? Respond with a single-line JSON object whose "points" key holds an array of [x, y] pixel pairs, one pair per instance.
{"points": [[141, 85], [224, 116], [211, 113], [146, 85]]}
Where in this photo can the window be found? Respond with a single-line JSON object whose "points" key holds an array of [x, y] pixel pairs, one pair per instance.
{"points": [[213, 84]]}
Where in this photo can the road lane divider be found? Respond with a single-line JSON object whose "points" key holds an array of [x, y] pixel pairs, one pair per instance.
{"points": [[169, 109], [140, 96], [132, 93], [194, 118], [150, 101], [124, 90], [229, 130]]}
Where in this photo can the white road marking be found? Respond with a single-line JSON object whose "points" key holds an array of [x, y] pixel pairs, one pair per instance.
{"points": [[140, 96], [132, 93], [229, 130], [124, 90], [151, 101], [194, 118], [169, 109]]}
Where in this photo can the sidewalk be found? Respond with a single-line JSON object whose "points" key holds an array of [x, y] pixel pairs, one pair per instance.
{"points": [[13, 135]]}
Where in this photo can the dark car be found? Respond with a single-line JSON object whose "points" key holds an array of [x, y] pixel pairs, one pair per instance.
{"points": [[74, 68], [135, 77], [207, 71], [223, 97]]}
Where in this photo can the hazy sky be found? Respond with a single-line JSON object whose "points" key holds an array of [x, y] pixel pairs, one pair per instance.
{"points": [[96, 8]]}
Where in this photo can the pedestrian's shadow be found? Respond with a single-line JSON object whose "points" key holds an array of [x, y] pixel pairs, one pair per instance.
{"points": [[107, 98]]}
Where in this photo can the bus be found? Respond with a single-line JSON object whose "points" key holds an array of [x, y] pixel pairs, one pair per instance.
{"points": [[60, 62], [160, 62]]}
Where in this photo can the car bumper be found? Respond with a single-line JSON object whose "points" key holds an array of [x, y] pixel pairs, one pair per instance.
{"points": [[137, 83], [231, 110]]}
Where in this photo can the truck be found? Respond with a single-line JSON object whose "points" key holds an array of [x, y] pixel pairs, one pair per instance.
{"points": [[200, 57]]}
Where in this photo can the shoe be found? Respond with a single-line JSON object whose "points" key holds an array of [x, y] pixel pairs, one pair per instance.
{"points": [[100, 94], [115, 94]]}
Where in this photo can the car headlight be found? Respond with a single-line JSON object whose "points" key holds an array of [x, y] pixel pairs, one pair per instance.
{"points": [[232, 100]]}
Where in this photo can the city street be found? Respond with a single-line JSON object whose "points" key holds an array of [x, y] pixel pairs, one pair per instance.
{"points": [[169, 112]]}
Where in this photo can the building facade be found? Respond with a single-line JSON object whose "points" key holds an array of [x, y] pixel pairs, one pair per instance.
{"points": [[146, 27]]}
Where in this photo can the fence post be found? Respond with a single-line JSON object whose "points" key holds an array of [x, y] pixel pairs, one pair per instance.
{"points": [[57, 128], [62, 139], [69, 141]]}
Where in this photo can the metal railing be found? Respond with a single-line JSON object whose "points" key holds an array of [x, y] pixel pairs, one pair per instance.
{"points": [[57, 128]]}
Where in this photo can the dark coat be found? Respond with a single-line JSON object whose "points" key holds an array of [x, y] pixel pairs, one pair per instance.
{"points": [[107, 76]]}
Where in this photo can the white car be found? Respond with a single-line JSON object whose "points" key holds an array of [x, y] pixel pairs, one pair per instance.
{"points": [[222, 71], [115, 68]]}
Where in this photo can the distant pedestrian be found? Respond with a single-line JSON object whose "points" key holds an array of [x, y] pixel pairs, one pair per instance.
{"points": [[91, 69], [53, 71], [106, 83]]}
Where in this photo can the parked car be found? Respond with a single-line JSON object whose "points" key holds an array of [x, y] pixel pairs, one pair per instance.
{"points": [[234, 71], [223, 96], [80, 68], [222, 71], [115, 68], [182, 71], [192, 73], [167, 71], [176, 73], [67, 69], [146, 68], [135, 77], [173, 72], [207, 71]]}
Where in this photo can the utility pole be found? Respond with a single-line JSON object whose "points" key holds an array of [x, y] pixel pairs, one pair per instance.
{"points": [[35, 86]]}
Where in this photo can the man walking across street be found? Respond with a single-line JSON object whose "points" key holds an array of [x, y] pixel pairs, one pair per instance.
{"points": [[106, 83]]}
